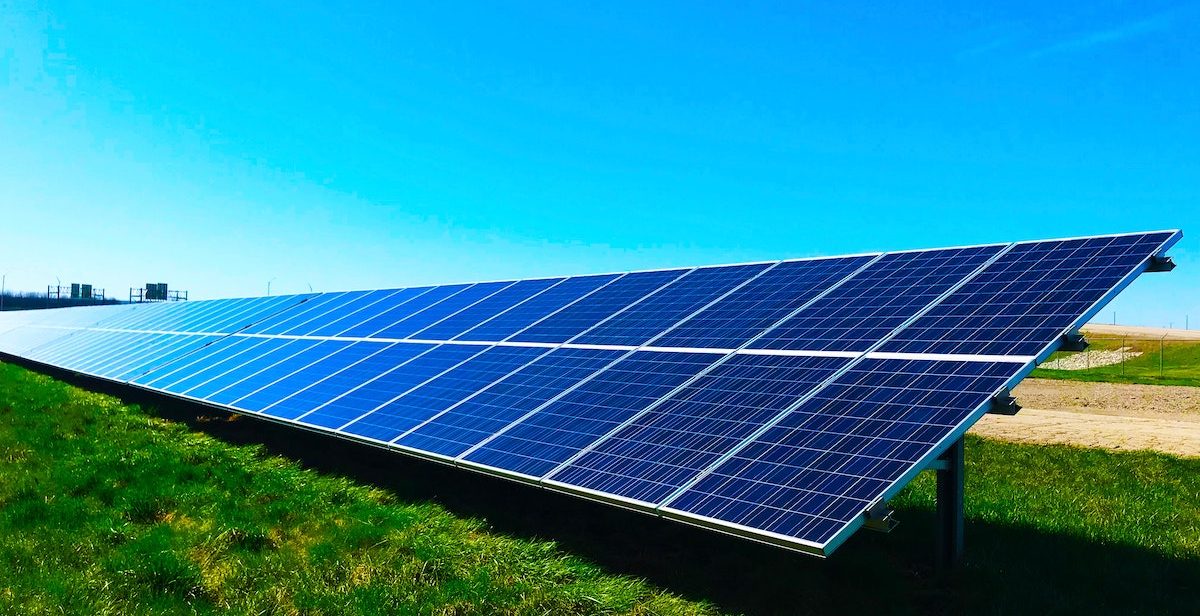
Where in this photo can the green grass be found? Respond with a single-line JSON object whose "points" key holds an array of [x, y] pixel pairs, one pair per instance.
{"points": [[1179, 365], [107, 509]]}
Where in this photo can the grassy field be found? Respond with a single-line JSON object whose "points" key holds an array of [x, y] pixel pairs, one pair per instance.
{"points": [[105, 508], [1173, 362]]}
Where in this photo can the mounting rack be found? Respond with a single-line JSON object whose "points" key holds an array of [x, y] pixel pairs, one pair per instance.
{"points": [[950, 489], [1004, 404], [1161, 264], [879, 518], [1074, 341]]}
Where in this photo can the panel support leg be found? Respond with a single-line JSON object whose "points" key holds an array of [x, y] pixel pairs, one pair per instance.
{"points": [[950, 507]]}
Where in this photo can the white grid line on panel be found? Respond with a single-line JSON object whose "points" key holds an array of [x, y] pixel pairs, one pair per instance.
{"points": [[707, 370], [833, 377]]}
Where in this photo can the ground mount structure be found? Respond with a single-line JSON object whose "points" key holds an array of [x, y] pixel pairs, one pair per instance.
{"points": [[783, 401]]}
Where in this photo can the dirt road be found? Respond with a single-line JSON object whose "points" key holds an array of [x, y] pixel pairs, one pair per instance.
{"points": [[1153, 401], [1136, 331], [1109, 415]]}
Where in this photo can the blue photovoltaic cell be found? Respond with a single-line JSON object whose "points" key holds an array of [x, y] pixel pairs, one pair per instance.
{"points": [[245, 364], [167, 315], [112, 347], [1028, 297], [261, 373], [199, 366], [120, 351], [235, 320], [207, 313], [53, 341], [563, 427], [65, 346], [826, 462], [657, 453], [469, 423], [26, 340], [22, 340], [324, 381], [147, 359], [676, 301], [377, 304], [570, 321], [418, 405], [112, 316], [536, 308], [448, 307], [345, 307], [56, 323], [485, 309], [752, 309], [296, 314], [867, 307], [399, 378], [18, 338], [132, 347], [199, 316], [73, 346], [155, 314], [229, 358], [395, 312], [274, 393]]}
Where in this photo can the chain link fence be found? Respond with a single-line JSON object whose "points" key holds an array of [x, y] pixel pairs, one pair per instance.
{"points": [[1166, 359]]}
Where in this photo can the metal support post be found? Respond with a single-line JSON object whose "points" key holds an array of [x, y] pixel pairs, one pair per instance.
{"points": [[950, 507]]}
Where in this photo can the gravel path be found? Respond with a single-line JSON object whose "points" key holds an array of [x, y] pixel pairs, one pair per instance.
{"points": [[1091, 359]]}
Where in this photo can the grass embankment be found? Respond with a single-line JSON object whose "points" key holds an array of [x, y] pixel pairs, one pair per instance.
{"points": [[106, 509], [1170, 362]]}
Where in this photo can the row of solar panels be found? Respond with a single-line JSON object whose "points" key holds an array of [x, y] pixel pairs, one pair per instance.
{"points": [[864, 299], [783, 441]]}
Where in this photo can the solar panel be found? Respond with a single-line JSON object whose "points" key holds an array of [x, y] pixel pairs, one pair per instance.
{"points": [[812, 471], [876, 301], [782, 401], [407, 409], [534, 445], [760, 304], [682, 434], [474, 420], [646, 319], [1029, 296]]}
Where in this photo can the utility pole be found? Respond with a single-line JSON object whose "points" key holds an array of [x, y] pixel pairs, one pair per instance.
{"points": [[3, 289], [269, 285]]}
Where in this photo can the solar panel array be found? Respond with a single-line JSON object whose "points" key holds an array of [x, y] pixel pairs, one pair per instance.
{"points": [[780, 401]]}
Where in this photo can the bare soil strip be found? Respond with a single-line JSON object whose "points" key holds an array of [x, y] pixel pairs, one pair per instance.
{"points": [[1136, 331], [1109, 415], [1120, 399], [1181, 438]]}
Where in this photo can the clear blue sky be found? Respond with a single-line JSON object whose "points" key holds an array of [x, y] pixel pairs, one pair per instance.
{"points": [[222, 145]]}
